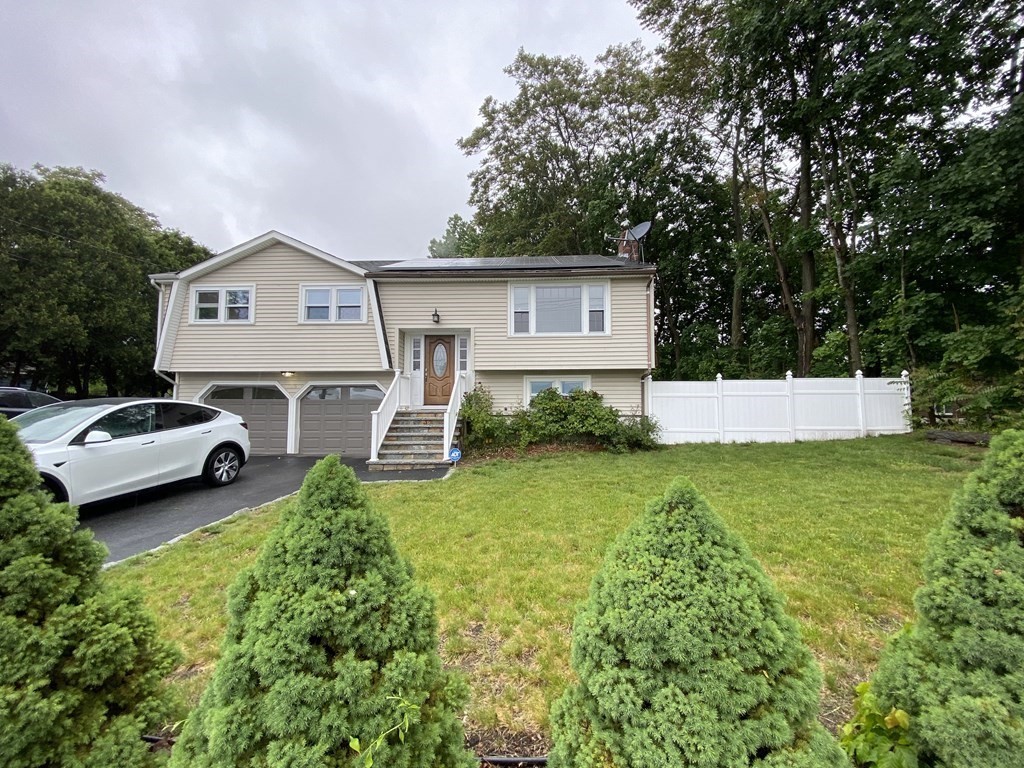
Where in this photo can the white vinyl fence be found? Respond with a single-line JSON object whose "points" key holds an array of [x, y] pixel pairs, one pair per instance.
{"points": [[778, 411]]}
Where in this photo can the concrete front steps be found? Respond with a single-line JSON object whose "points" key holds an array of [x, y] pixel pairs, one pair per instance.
{"points": [[414, 441]]}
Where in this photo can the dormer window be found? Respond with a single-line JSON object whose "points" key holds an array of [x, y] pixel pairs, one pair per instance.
{"points": [[222, 305], [333, 304]]}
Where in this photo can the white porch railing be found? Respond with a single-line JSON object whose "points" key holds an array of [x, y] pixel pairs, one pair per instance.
{"points": [[451, 414], [384, 415]]}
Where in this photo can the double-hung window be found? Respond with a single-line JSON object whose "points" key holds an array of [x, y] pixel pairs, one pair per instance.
{"points": [[222, 305], [559, 308], [333, 304]]}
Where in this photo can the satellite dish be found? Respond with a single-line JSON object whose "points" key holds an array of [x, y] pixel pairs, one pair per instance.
{"points": [[639, 230]]}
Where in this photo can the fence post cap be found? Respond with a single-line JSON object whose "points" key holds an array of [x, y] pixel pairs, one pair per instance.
{"points": [[789, 374], [718, 377], [859, 374], [905, 374]]}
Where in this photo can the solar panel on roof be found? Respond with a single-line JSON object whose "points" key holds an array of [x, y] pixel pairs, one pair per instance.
{"points": [[506, 263]]}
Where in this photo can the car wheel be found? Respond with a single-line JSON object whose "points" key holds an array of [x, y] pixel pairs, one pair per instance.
{"points": [[53, 489], [222, 466]]}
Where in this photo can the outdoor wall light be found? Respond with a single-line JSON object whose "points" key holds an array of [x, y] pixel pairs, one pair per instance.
{"points": [[287, 374], [435, 317]]}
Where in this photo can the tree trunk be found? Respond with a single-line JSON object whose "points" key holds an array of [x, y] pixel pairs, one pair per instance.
{"points": [[806, 333], [16, 373], [845, 249], [736, 325], [852, 324]]}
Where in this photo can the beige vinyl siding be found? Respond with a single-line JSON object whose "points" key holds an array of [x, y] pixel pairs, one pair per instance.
{"points": [[620, 389], [275, 340], [482, 306], [190, 385]]}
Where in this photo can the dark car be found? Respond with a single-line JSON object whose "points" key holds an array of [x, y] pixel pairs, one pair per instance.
{"points": [[15, 400]]}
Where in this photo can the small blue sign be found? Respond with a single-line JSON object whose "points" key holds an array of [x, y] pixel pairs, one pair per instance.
{"points": [[455, 454]]}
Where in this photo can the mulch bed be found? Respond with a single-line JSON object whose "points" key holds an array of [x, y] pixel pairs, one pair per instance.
{"points": [[502, 741]]}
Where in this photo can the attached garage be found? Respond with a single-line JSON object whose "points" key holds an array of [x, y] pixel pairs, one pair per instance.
{"points": [[337, 419], [265, 410]]}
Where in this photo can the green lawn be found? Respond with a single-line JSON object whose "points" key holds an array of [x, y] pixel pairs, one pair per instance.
{"points": [[509, 548]]}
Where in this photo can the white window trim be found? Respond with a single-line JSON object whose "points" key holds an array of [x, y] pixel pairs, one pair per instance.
{"points": [[584, 308], [333, 306], [556, 379], [222, 310], [415, 354]]}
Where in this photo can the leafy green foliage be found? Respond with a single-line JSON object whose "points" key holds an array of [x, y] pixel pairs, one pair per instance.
{"points": [[580, 418], [330, 642], [461, 238], [959, 670], [484, 428], [835, 185], [685, 655], [83, 666], [877, 739], [401, 728], [76, 306]]}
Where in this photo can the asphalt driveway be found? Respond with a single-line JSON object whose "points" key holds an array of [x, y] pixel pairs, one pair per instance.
{"points": [[139, 522]]}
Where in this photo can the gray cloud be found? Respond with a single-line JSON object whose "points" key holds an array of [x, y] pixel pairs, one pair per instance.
{"points": [[333, 122]]}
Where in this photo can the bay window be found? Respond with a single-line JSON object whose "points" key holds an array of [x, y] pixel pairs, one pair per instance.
{"points": [[559, 309]]}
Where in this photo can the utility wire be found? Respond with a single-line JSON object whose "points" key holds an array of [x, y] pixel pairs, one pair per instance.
{"points": [[65, 238]]}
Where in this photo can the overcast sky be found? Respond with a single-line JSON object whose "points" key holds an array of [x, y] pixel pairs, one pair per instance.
{"points": [[334, 122]]}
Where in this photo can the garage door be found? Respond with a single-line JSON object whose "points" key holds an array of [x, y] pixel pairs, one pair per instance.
{"points": [[337, 420], [265, 410]]}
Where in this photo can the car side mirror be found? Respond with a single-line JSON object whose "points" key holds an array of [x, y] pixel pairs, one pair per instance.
{"points": [[97, 436]]}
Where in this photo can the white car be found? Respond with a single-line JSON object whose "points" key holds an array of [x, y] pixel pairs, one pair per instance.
{"points": [[94, 449]]}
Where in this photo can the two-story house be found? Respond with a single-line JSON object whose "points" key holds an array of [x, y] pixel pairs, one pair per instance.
{"points": [[326, 355]]}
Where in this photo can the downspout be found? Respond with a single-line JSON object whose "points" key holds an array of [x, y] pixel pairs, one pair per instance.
{"points": [[650, 324], [159, 305], [159, 328], [645, 379], [169, 380]]}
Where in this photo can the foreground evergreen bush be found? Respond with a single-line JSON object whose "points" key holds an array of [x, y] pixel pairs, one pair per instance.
{"points": [[685, 656], [329, 640], [958, 672], [80, 664]]}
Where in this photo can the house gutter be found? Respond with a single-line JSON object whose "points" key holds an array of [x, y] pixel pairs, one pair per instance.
{"points": [[471, 274]]}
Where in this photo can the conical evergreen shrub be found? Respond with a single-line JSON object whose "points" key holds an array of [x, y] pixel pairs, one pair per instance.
{"points": [[959, 670], [329, 639], [81, 666], [685, 656]]}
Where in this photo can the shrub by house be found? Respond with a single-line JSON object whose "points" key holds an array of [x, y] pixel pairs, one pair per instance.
{"points": [[685, 656], [958, 671], [330, 643], [82, 666], [579, 418]]}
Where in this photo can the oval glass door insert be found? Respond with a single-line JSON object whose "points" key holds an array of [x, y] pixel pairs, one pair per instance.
{"points": [[440, 360]]}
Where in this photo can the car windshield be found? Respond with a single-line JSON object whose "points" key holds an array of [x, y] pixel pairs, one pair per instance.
{"points": [[49, 423]]}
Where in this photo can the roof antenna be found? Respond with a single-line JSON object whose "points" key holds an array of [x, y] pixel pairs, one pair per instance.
{"points": [[629, 240]]}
